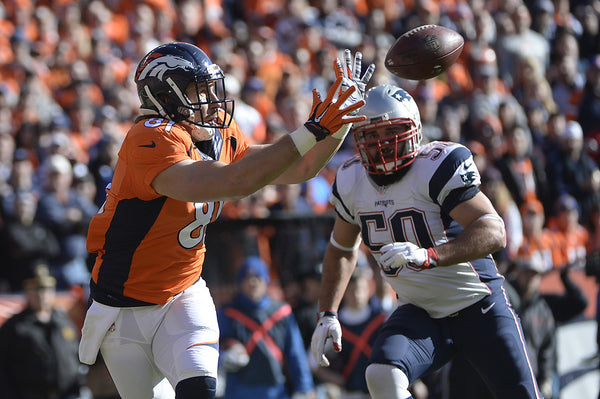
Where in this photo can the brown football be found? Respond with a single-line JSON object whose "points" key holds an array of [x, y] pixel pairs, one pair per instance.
{"points": [[424, 52]]}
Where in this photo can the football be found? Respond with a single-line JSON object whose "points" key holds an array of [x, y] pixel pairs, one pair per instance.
{"points": [[424, 52]]}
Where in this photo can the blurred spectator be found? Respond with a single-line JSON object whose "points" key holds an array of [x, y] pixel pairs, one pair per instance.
{"points": [[575, 173], [523, 42], [251, 122], [67, 214], [266, 331], [21, 180], [24, 242], [103, 165], [290, 201], [7, 149], [425, 98], [565, 19], [542, 18], [539, 326], [339, 25], [589, 40], [495, 188], [538, 241], [573, 237], [589, 108], [567, 83], [38, 346], [523, 174], [489, 91], [307, 306]]}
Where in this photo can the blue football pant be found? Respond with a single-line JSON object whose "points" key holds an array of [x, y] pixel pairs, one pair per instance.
{"points": [[487, 333]]}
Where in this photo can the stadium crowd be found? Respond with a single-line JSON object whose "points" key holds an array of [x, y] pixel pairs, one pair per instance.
{"points": [[524, 97]]}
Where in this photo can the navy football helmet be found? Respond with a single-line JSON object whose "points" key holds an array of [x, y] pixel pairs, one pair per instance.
{"points": [[164, 75]]}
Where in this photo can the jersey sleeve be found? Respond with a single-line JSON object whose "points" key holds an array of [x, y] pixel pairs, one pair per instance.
{"points": [[455, 179], [238, 143], [151, 149]]}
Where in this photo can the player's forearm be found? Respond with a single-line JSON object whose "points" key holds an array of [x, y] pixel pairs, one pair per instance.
{"points": [[204, 181], [313, 161], [338, 266], [481, 238]]}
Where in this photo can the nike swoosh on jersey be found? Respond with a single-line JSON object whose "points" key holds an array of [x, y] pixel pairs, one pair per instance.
{"points": [[151, 145], [485, 310]]}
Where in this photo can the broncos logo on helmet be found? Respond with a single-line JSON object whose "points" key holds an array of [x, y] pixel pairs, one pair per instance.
{"points": [[158, 66]]}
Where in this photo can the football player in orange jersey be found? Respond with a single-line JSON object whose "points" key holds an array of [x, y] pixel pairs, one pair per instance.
{"points": [[152, 316]]}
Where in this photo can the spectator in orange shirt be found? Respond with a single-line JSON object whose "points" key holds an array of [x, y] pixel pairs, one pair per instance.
{"points": [[538, 241]]}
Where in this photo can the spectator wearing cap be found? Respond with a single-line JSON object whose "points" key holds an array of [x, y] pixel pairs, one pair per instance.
{"points": [[253, 94], [573, 237], [576, 173], [572, 240], [538, 241], [39, 346], [67, 214], [268, 331]]}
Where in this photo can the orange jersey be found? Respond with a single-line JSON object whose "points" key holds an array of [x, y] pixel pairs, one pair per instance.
{"points": [[150, 247]]}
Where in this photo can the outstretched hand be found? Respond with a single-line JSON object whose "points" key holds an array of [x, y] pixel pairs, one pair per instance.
{"points": [[329, 115], [352, 74]]}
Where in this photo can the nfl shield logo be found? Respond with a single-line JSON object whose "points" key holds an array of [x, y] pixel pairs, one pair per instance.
{"points": [[431, 43]]}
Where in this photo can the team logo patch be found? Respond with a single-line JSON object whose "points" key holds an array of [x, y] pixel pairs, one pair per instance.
{"points": [[158, 66], [468, 177]]}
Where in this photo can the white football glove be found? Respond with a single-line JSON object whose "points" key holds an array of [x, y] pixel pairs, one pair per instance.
{"points": [[328, 327], [234, 358], [352, 77], [398, 254]]}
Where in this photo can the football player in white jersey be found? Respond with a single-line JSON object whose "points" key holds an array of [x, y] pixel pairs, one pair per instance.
{"points": [[420, 212]]}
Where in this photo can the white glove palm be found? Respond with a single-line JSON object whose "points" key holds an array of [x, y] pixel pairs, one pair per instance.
{"points": [[398, 254], [328, 327], [352, 77]]}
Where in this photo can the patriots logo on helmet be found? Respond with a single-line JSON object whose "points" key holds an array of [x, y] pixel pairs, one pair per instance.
{"points": [[401, 95], [158, 66]]}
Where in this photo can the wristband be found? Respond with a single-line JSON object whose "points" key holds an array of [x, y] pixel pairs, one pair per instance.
{"points": [[303, 139], [341, 133], [327, 313]]}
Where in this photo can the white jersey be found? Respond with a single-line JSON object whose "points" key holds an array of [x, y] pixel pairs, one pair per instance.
{"points": [[416, 209]]}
